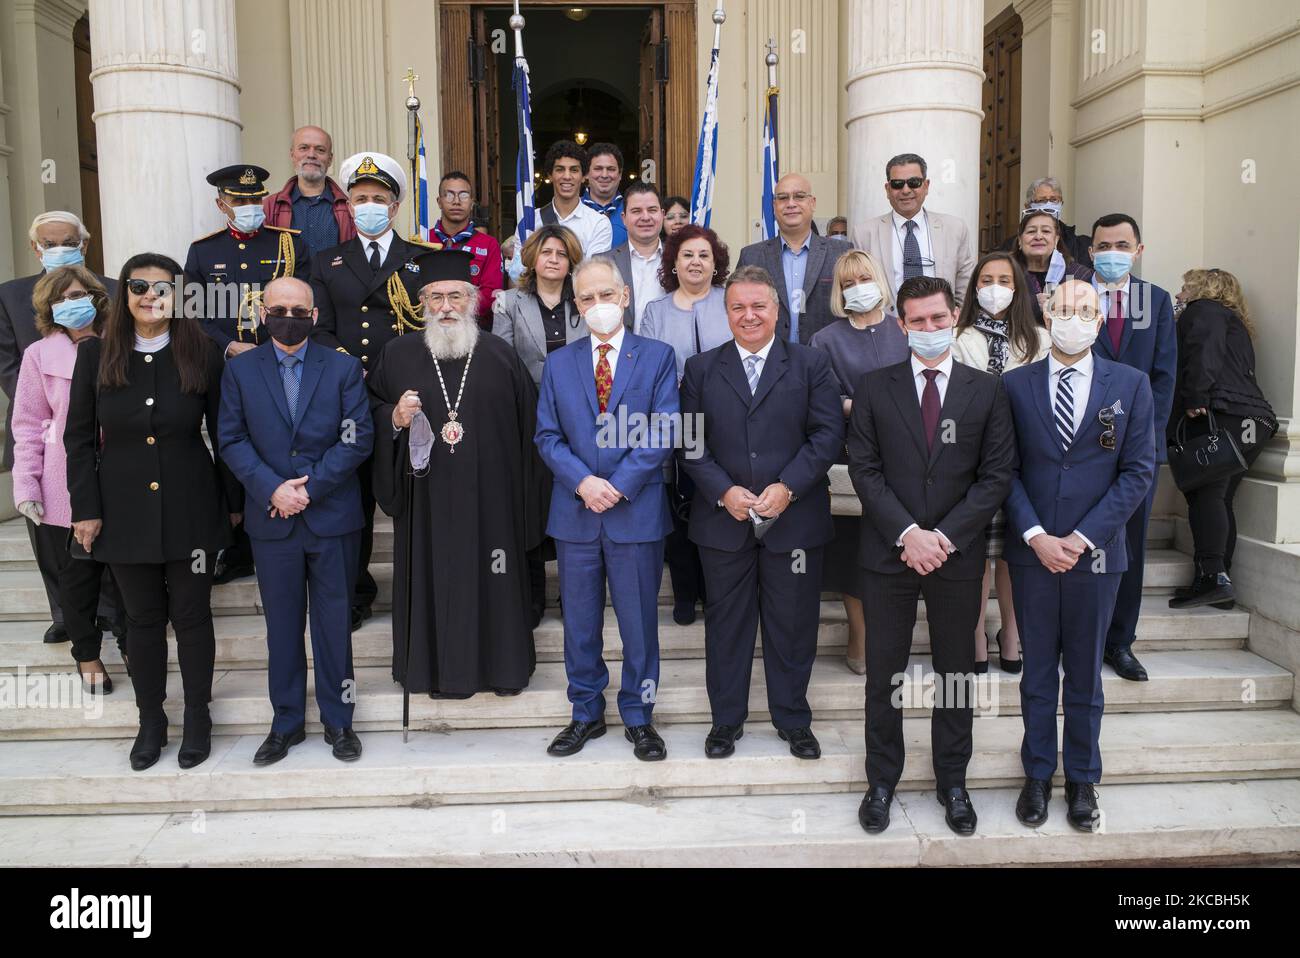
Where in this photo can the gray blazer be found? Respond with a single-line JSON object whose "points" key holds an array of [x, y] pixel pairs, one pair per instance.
{"points": [[709, 328], [622, 256], [815, 298], [517, 319]]}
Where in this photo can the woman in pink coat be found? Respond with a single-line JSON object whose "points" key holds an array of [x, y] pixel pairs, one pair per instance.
{"points": [[70, 305]]}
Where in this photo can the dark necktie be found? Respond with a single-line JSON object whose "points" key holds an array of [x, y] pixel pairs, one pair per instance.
{"points": [[1064, 413], [911, 253], [290, 384], [930, 406], [604, 377], [375, 261], [1115, 322]]}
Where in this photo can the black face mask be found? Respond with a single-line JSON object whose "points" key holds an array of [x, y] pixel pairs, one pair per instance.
{"points": [[288, 330]]}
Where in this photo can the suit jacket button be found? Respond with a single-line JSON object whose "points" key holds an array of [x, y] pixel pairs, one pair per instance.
{"points": [[1066, 466], [151, 440], [929, 482], [365, 309], [153, 487], [294, 452], [365, 359], [753, 455]]}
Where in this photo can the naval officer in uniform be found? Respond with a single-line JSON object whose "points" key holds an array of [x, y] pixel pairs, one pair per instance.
{"points": [[366, 292]]}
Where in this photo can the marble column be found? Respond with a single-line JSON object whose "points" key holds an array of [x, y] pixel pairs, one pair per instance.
{"points": [[914, 80], [166, 81]]}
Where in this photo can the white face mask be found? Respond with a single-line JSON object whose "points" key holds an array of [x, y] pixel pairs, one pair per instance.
{"points": [[995, 298], [603, 318], [1073, 334], [862, 298]]}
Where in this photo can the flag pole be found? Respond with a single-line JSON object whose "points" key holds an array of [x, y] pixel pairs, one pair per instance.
{"points": [[413, 147], [772, 60], [517, 25]]}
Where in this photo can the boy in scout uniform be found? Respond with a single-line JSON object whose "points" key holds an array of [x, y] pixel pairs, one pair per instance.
{"points": [[366, 292]]}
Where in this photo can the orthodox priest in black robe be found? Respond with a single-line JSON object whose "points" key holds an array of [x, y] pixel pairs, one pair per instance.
{"points": [[455, 411]]}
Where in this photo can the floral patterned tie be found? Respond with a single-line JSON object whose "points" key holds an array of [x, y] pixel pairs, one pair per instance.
{"points": [[604, 376]]}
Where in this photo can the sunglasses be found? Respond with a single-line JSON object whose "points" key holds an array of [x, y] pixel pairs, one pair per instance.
{"points": [[280, 312], [139, 287], [914, 182], [1107, 419]]}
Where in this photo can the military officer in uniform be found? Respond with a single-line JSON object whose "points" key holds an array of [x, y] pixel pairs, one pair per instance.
{"points": [[225, 273], [366, 291]]}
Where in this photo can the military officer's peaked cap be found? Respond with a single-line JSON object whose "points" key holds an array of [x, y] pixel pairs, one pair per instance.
{"points": [[240, 180], [374, 166]]}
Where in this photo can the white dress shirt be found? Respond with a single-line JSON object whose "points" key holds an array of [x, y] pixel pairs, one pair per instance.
{"points": [[591, 228], [940, 383], [644, 279], [1104, 294], [922, 242], [1081, 388], [384, 242], [612, 356], [760, 353]]}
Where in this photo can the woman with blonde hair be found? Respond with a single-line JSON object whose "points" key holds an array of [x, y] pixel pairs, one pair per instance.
{"points": [[860, 341], [1216, 382]]}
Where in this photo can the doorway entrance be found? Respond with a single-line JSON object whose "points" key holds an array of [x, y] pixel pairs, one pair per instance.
{"points": [[1000, 132], [602, 72]]}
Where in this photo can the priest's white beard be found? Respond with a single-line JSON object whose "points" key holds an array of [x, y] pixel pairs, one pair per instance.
{"points": [[451, 342]]}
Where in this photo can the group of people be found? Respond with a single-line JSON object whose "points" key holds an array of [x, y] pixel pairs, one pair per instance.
{"points": [[629, 400]]}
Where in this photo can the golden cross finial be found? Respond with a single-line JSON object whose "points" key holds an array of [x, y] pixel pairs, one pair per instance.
{"points": [[409, 80]]}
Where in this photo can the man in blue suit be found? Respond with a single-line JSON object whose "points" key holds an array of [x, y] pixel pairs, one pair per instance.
{"points": [[1086, 437], [773, 425], [1138, 331], [609, 514], [295, 426]]}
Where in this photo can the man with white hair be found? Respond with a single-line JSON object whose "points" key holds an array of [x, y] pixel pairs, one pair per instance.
{"points": [[1045, 195], [57, 238], [456, 469]]}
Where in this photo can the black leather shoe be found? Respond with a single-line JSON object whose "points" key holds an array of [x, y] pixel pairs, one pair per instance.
{"points": [[646, 743], [347, 747], [959, 813], [1206, 590], [359, 615], [96, 683], [277, 746], [873, 813], [803, 743], [721, 740], [149, 741], [505, 693], [982, 668], [196, 739], [223, 571], [1031, 807], [56, 633], [1081, 800], [1125, 664], [683, 612], [574, 736]]}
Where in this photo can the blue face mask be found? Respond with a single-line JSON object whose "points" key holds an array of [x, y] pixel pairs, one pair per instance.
{"points": [[515, 268], [249, 219], [75, 313], [1112, 265], [57, 256], [371, 218], [929, 345]]}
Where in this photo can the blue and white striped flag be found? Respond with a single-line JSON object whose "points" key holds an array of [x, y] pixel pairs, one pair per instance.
{"points": [[771, 163], [706, 156], [525, 210], [423, 223]]}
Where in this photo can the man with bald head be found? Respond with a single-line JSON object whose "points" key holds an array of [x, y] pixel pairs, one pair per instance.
{"points": [[311, 202], [295, 427], [1087, 456], [801, 263]]}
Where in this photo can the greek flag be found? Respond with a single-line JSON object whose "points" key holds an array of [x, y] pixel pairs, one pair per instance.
{"points": [[423, 224], [706, 156], [771, 163], [525, 210]]}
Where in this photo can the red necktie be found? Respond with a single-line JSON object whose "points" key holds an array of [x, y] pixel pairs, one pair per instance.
{"points": [[604, 376], [1115, 322], [930, 406]]}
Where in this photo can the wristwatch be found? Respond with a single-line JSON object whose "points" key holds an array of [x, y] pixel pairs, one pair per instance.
{"points": [[793, 497]]}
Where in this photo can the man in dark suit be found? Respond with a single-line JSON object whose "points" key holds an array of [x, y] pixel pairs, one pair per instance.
{"points": [[1138, 331], [365, 290], [931, 453], [641, 255], [772, 425], [295, 427], [57, 238], [609, 514], [1086, 440], [801, 263]]}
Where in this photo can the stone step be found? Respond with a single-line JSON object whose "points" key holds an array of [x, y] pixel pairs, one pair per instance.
{"points": [[491, 766], [1227, 822], [1180, 681], [22, 596], [241, 639]]}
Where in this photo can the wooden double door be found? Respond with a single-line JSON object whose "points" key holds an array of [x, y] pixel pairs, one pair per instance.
{"points": [[1000, 198]]}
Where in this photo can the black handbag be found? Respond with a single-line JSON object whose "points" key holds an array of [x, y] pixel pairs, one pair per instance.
{"points": [[1204, 459]]}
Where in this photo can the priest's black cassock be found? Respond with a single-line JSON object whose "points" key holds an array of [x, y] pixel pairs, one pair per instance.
{"points": [[477, 511]]}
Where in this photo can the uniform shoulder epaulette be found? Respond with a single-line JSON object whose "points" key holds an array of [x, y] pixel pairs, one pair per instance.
{"points": [[282, 229], [426, 245], [209, 235]]}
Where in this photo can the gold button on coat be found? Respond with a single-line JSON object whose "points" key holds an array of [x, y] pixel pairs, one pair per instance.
{"points": [[148, 358], [153, 486], [151, 440]]}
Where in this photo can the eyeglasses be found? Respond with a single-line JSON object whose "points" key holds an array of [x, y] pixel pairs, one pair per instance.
{"points": [[1086, 313], [799, 197], [451, 196], [74, 294], [297, 312], [436, 300], [915, 182], [139, 287], [676, 217], [1107, 419], [66, 244]]}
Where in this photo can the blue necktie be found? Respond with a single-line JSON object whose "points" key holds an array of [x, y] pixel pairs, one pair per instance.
{"points": [[752, 373], [290, 384], [912, 253]]}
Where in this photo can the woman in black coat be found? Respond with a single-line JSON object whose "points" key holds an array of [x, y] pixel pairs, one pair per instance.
{"points": [[147, 496], [1216, 373]]}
